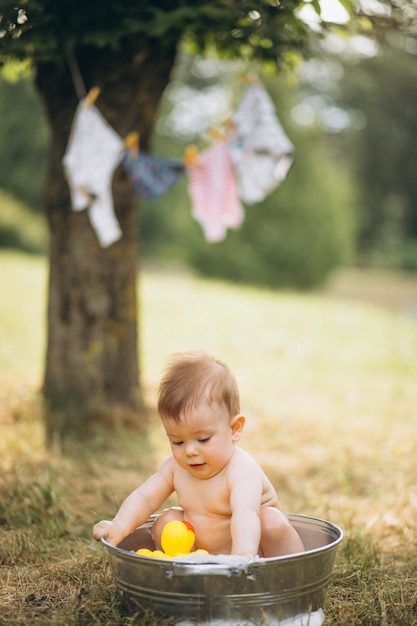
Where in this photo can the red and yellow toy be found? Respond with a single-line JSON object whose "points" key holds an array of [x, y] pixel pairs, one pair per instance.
{"points": [[177, 539]]}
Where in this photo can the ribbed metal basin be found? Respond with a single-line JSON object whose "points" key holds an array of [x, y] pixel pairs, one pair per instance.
{"points": [[287, 589]]}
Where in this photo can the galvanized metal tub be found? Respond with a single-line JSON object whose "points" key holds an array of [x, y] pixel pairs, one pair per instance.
{"points": [[281, 590]]}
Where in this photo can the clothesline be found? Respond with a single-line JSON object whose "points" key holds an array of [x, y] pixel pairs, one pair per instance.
{"points": [[244, 164]]}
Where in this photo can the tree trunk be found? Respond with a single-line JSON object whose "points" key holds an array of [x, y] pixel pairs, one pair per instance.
{"points": [[92, 341]]}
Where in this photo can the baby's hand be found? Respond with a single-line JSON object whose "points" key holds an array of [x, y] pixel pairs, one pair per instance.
{"points": [[111, 531]]}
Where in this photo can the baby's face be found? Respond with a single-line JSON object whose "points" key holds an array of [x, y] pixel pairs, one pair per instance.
{"points": [[202, 442]]}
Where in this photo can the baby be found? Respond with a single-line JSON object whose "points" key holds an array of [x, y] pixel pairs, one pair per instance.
{"points": [[221, 490]]}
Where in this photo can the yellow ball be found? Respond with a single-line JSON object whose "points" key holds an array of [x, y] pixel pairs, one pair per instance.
{"points": [[158, 554], [177, 538], [144, 552]]}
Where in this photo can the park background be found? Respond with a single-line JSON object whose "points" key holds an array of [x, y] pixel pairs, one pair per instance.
{"points": [[312, 301], [350, 196]]}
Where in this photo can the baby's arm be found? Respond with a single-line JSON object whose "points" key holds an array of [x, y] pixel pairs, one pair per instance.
{"points": [[138, 506], [245, 484]]}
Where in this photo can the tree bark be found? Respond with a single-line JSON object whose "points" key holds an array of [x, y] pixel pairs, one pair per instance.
{"points": [[92, 347]]}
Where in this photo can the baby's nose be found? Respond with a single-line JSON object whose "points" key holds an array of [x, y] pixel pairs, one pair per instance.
{"points": [[191, 449]]}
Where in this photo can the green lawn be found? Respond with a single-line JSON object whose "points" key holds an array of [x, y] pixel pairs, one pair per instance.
{"points": [[328, 384]]}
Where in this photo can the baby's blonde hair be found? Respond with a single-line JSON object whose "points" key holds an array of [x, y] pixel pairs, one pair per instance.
{"points": [[194, 378]]}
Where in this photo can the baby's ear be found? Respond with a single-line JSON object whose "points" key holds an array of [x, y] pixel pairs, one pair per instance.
{"points": [[237, 425]]}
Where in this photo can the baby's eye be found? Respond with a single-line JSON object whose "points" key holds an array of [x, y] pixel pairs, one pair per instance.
{"points": [[204, 439], [176, 443]]}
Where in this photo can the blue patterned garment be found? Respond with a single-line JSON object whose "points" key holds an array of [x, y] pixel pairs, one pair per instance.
{"points": [[151, 176]]}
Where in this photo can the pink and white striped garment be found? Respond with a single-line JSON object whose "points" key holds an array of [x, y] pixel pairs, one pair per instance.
{"points": [[213, 192]]}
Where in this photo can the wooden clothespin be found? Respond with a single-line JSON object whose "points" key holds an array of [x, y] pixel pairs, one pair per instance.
{"points": [[91, 97], [131, 141], [190, 155], [230, 130], [248, 79], [216, 134]]}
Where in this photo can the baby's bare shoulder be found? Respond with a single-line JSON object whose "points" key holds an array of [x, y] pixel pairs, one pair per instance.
{"points": [[167, 469], [244, 461], [244, 468], [243, 465]]}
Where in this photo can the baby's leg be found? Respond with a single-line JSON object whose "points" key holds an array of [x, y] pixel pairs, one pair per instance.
{"points": [[278, 537], [174, 513]]}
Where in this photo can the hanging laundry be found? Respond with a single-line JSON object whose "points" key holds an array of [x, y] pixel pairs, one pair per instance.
{"points": [[213, 192], [151, 176], [93, 153], [260, 150]]}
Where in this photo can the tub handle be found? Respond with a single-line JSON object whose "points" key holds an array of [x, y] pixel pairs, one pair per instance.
{"points": [[180, 569]]}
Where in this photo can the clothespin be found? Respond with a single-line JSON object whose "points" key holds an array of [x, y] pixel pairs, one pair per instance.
{"points": [[229, 125], [91, 97], [230, 130], [131, 141], [190, 155], [248, 79], [215, 134]]}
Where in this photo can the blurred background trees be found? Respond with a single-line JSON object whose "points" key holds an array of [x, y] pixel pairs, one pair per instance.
{"points": [[128, 52], [23, 137], [346, 101], [384, 155], [349, 197]]}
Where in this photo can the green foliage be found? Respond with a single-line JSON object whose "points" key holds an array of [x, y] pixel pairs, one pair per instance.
{"points": [[46, 30], [23, 138], [383, 89], [407, 255], [19, 227], [401, 255], [311, 215]]}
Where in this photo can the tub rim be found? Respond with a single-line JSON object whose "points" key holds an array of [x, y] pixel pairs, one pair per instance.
{"points": [[292, 517]]}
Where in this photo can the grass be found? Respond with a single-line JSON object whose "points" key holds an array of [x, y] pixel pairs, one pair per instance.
{"points": [[328, 383]]}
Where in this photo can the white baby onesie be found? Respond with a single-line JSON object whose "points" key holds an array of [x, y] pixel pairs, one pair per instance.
{"points": [[93, 153], [260, 150]]}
